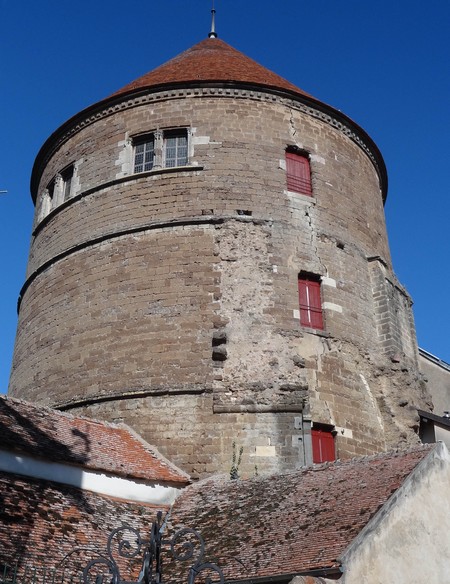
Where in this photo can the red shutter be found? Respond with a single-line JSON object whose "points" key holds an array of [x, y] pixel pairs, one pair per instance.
{"points": [[323, 446], [298, 173], [310, 303]]}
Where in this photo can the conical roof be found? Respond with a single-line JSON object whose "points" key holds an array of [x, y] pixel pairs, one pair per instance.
{"points": [[211, 60]]}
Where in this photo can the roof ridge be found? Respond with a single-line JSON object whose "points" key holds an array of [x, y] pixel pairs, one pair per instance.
{"points": [[389, 455]]}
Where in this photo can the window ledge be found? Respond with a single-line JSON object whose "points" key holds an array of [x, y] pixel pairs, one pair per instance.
{"points": [[317, 332], [168, 170], [307, 199]]}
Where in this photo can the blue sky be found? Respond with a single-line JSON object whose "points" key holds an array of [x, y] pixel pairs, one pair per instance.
{"points": [[385, 64]]}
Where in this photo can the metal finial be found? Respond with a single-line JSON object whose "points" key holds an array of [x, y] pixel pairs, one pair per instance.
{"points": [[213, 34]]}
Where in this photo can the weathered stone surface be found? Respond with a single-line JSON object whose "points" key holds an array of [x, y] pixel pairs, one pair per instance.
{"points": [[169, 300]]}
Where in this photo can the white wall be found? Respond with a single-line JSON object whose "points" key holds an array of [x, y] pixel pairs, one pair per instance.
{"points": [[408, 541], [105, 484]]}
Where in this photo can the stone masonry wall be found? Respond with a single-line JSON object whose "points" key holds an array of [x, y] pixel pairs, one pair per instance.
{"points": [[169, 299]]}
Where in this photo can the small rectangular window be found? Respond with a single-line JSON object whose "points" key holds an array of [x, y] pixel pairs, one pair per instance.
{"points": [[67, 176], [310, 301], [51, 189], [298, 173], [175, 149], [144, 155], [323, 446]]}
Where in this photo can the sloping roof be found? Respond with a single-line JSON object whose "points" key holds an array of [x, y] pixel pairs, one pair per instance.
{"points": [[295, 522], [211, 60], [42, 522], [443, 420], [59, 437]]}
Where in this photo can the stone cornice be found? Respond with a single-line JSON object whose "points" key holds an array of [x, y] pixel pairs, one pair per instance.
{"points": [[115, 104]]}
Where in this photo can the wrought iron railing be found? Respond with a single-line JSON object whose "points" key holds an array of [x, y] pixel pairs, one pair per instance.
{"points": [[185, 545], [28, 573], [129, 558]]}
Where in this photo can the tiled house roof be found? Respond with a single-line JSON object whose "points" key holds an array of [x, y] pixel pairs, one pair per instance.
{"points": [[211, 60], [42, 522], [59, 437], [295, 522]]}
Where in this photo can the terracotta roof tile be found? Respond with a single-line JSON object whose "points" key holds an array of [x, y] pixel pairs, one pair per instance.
{"points": [[294, 522], [211, 60], [42, 522], [61, 437]]}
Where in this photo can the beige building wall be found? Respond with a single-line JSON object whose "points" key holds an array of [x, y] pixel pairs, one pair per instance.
{"points": [[437, 375], [408, 541]]}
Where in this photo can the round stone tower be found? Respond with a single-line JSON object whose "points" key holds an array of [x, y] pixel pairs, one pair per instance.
{"points": [[209, 264]]}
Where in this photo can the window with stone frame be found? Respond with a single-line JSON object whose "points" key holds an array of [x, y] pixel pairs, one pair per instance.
{"points": [[298, 172], [175, 148], [51, 189], [67, 176], [310, 301], [144, 154]]}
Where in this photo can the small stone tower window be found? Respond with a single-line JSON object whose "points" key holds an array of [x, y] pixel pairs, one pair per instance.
{"points": [[67, 176], [144, 154], [298, 173], [51, 189], [310, 301], [175, 149]]}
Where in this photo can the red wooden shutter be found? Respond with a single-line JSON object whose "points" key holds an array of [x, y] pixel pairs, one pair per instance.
{"points": [[310, 303], [298, 173], [323, 446]]}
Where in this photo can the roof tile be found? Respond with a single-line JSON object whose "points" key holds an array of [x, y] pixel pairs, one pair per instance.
{"points": [[294, 522], [211, 60], [54, 525], [61, 437]]}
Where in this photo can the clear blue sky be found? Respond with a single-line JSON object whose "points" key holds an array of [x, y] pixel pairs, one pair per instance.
{"points": [[385, 64]]}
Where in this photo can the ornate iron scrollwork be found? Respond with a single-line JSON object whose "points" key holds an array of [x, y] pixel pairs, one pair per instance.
{"points": [[186, 545]]}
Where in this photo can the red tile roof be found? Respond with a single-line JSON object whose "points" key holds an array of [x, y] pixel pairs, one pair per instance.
{"points": [[211, 60], [295, 522], [42, 522], [60, 437]]}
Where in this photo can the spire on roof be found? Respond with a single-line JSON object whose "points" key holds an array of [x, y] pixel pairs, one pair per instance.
{"points": [[213, 34]]}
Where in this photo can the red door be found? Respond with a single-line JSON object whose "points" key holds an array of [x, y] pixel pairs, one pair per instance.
{"points": [[323, 446]]}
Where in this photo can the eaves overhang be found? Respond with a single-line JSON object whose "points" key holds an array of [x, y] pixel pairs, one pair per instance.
{"points": [[443, 420], [133, 98]]}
